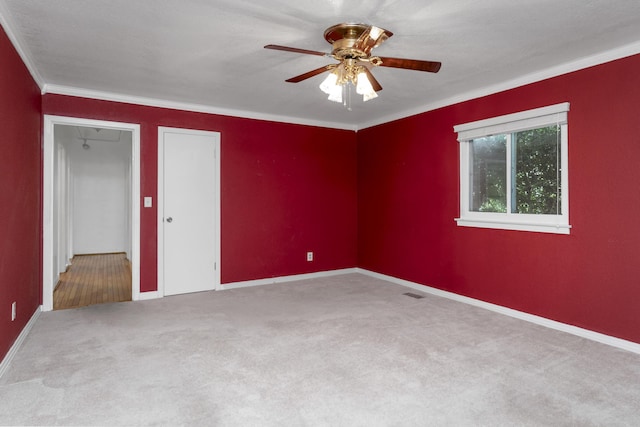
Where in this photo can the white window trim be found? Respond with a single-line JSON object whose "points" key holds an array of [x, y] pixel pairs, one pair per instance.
{"points": [[539, 117]]}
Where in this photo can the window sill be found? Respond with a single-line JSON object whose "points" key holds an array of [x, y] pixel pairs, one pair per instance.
{"points": [[515, 225]]}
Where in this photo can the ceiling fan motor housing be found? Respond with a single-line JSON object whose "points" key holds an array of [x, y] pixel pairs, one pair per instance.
{"points": [[343, 38]]}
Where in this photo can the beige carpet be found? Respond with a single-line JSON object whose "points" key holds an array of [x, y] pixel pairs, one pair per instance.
{"points": [[341, 351]]}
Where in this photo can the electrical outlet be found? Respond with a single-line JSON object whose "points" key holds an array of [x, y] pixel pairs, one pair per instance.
{"points": [[309, 256], [13, 311]]}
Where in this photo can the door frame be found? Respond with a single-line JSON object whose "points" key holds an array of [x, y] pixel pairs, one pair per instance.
{"points": [[162, 130], [47, 200]]}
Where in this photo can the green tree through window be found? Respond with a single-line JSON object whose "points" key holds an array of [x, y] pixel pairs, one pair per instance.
{"points": [[534, 174], [489, 174], [536, 171]]}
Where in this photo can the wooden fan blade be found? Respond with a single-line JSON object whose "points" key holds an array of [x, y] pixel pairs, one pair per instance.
{"points": [[370, 38], [295, 50], [309, 74], [411, 64], [376, 85]]}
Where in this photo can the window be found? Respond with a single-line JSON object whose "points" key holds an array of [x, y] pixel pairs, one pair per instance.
{"points": [[513, 171]]}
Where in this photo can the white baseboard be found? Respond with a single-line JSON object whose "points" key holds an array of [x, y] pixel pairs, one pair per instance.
{"points": [[284, 279], [142, 296], [258, 282], [16, 345], [538, 320]]}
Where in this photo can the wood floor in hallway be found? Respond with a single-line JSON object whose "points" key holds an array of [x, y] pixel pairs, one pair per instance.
{"points": [[94, 279]]}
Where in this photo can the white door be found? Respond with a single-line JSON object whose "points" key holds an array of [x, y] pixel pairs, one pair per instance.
{"points": [[188, 178]]}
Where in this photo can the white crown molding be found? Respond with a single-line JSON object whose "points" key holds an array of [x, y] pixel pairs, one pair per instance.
{"points": [[18, 46], [538, 320], [569, 67], [198, 108], [6, 362]]}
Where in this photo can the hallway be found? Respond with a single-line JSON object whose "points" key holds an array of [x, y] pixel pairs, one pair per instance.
{"points": [[94, 279]]}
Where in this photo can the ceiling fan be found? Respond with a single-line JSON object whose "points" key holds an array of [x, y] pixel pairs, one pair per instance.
{"points": [[351, 46]]}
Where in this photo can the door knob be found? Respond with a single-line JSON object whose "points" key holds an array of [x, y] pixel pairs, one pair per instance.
{"points": [[169, 219]]}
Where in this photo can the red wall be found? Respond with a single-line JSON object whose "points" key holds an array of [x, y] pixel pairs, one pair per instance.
{"points": [[409, 197], [20, 177], [286, 189]]}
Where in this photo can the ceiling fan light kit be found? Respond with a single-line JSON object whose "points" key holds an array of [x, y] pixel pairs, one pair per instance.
{"points": [[351, 46], [340, 82]]}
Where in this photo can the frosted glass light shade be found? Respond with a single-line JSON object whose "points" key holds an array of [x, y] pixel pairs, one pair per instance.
{"points": [[336, 94], [331, 87], [329, 83], [364, 88]]}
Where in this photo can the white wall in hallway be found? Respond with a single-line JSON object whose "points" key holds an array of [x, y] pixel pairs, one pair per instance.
{"points": [[101, 191], [62, 201]]}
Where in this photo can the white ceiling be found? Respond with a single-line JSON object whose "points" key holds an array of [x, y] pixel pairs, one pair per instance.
{"points": [[209, 55]]}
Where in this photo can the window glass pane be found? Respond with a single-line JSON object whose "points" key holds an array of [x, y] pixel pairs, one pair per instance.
{"points": [[489, 174], [536, 173]]}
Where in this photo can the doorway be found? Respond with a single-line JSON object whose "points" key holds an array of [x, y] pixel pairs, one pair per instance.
{"points": [[91, 194], [188, 211]]}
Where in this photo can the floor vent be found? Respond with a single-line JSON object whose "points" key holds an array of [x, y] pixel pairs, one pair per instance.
{"points": [[412, 295]]}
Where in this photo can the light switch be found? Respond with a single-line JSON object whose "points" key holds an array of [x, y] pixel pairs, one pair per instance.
{"points": [[148, 202]]}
